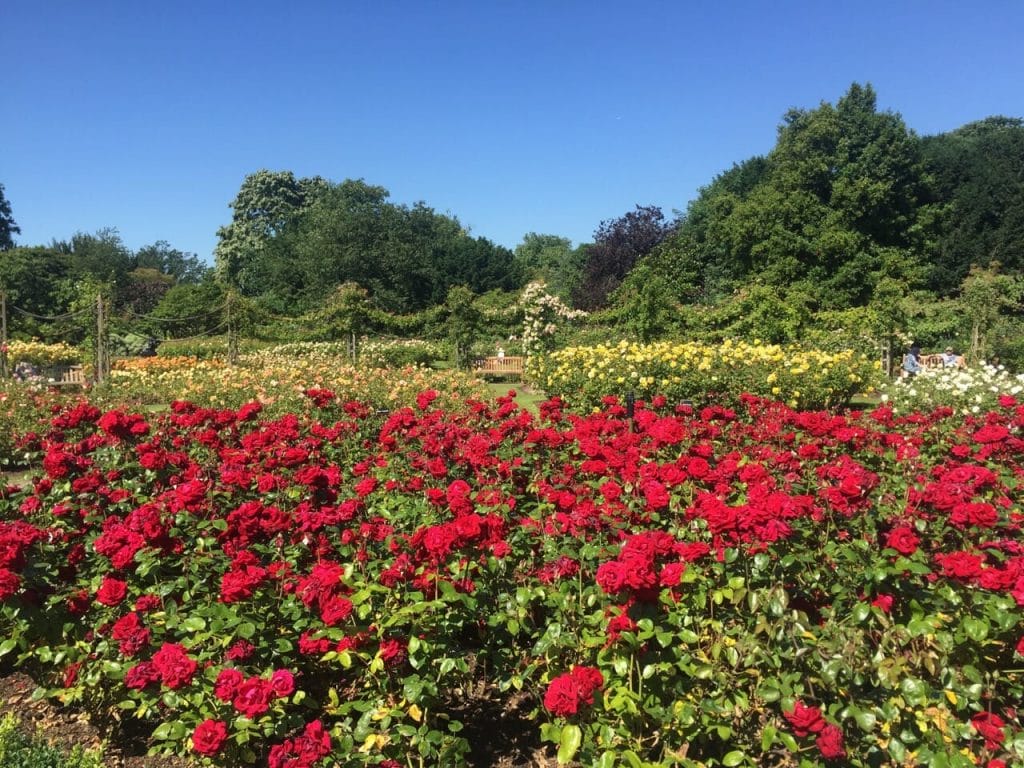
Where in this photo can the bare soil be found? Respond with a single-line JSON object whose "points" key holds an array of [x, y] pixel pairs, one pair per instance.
{"points": [[498, 731]]}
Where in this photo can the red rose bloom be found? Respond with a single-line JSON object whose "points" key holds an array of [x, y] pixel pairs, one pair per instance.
{"points": [[9, 583], [990, 726], [567, 692], [253, 697], [227, 684], [804, 720], [173, 665], [111, 591], [830, 742], [903, 540], [562, 696], [209, 736], [282, 682]]}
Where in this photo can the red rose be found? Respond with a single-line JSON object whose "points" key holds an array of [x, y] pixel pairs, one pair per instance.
{"points": [[562, 696], [990, 726], [883, 602], [209, 736], [240, 650], [1020, 646], [392, 651], [588, 680], [111, 591], [173, 665], [282, 682], [227, 684], [903, 540], [141, 675], [804, 720], [9, 583], [830, 742], [253, 697]]}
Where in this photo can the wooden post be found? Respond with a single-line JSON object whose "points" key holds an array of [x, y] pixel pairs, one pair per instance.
{"points": [[102, 352], [4, 373], [232, 334]]}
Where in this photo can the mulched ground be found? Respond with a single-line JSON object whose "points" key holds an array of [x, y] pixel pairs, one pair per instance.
{"points": [[499, 732]]}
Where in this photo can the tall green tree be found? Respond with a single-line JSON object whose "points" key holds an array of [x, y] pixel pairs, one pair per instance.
{"points": [[34, 279], [838, 204], [7, 225], [101, 255], [181, 266], [406, 257], [267, 203], [552, 260], [979, 183]]}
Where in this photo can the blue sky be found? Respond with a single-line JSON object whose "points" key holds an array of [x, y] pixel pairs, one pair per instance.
{"points": [[514, 116]]}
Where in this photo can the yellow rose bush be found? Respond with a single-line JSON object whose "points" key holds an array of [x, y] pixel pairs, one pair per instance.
{"points": [[42, 354], [278, 378], [697, 372]]}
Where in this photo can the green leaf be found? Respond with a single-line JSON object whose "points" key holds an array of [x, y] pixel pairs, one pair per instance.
{"points": [[7, 646], [568, 743], [733, 758], [866, 721], [767, 737], [976, 629]]}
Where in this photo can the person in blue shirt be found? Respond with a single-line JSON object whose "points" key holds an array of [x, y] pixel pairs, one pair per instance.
{"points": [[912, 362], [952, 360]]}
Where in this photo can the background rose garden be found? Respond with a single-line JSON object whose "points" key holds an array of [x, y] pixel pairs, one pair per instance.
{"points": [[314, 581]]}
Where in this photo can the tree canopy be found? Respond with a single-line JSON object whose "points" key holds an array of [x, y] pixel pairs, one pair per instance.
{"points": [[7, 226], [836, 205], [407, 257]]}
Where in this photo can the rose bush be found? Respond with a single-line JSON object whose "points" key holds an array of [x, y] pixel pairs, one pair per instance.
{"points": [[702, 373], [693, 587], [970, 390]]}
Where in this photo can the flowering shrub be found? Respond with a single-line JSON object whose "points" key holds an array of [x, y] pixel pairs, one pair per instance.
{"points": [[805, 378], [542, 314], [711, 587], [41, 354], [22, 411], [278, 377], [963, 389]]}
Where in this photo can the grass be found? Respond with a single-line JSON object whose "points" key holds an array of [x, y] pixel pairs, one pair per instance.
{"points": [[19, 750], [527, 397]]}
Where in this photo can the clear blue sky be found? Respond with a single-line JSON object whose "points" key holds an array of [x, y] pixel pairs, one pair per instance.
{"points": [[524, 116]]}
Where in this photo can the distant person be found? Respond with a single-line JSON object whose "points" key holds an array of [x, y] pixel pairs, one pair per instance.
{"points": [[951, 359], [912, 362], [501, 353]]}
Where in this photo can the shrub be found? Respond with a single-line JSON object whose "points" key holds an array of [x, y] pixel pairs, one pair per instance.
{"points": [[699, 373], [963, 389], [41, 354], [17, 750]]}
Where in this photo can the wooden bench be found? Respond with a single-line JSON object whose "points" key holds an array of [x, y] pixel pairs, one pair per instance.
{"points": [[506, 367], [66, 376]]}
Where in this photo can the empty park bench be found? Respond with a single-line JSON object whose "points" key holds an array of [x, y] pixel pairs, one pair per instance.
{"points": [[66, 376], [504, 367]]}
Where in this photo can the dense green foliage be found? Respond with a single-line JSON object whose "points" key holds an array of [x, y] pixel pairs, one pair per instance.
{"points": [[407, 257], [18, 750], [7, 225], [852, 231]]}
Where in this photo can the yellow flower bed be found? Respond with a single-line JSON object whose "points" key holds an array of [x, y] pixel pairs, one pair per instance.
{"points": [[42, 354], [696, 372], [279, 379]]}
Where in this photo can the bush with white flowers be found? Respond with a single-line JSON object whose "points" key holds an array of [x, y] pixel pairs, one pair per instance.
{"points": [[963, 389]]}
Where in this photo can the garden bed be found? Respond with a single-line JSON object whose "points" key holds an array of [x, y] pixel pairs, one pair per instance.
{"points": [[474, 584]]}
